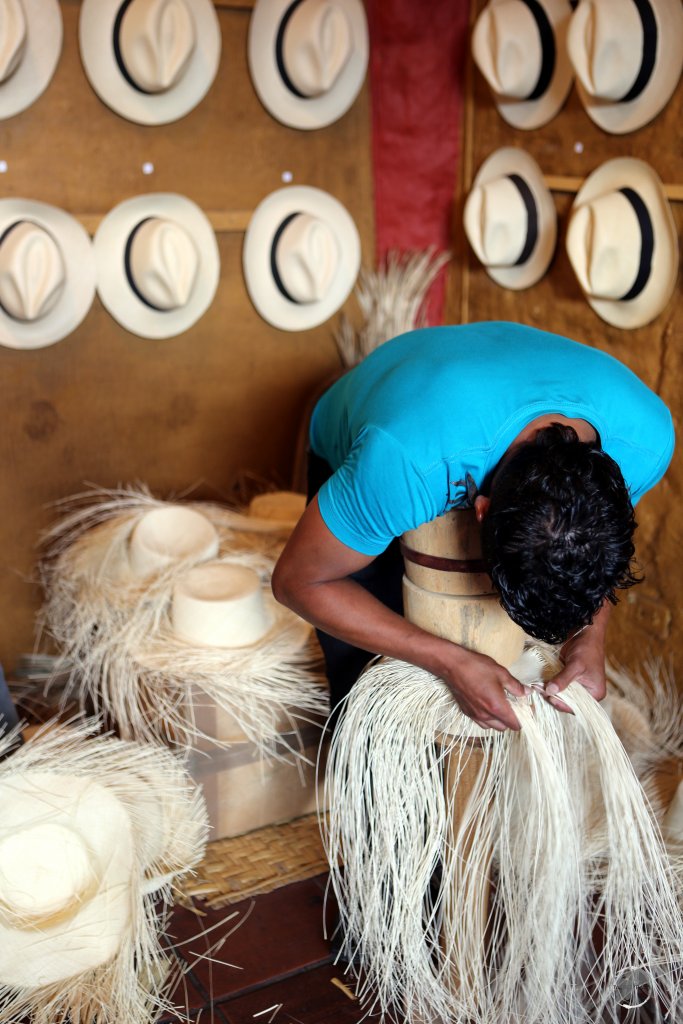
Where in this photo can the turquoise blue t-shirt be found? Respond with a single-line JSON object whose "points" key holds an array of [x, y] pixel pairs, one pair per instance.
{"points": [[404, 427]]}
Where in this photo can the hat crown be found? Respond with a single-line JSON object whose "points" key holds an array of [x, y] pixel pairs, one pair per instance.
{"points": [[45, 869], [605, 43], [168, 535], [164, 263], [32, 271], [603, 244], [316, 46], [157, 40], [307, 258], [507, 48], [220, 605], [496, 222], [13, 37]]}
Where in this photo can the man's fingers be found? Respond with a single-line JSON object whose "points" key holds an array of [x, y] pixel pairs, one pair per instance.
{"points": [[559, 705]]}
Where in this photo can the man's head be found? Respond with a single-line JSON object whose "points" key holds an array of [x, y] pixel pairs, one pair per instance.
{"points": [[558, 533]]}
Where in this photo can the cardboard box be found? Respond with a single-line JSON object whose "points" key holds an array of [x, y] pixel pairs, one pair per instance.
{"points": [[244, 792]]}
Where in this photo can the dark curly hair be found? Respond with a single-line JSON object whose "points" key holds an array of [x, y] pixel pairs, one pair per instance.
{"points": [[558, 535]]}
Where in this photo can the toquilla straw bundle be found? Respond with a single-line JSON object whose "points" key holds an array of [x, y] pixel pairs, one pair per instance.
{"points": [[95, 834], [584, 923], [112, 585]]}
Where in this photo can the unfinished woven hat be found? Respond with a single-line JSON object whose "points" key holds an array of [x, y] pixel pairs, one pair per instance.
{"points": [[151, 61], [277, 510], [520, 48], [308, 58], [47, 273], [158, 264], [510, 219], [622, 243], [301, 257], [628, 57], [91, 827], [30, 46]]}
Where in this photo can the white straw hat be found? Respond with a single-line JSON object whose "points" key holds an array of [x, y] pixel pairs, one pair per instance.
{"points": [[301, 257], [30, 44], [308, 58], [158, 264], [510, 219], [628, 56], [622, 243], [519, 47], [151, 61], [170, 534], [47, 273], [79, 854]]}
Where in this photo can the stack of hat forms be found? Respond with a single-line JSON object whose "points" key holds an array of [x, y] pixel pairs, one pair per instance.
{"points": [[627, 57], [155, 262]]}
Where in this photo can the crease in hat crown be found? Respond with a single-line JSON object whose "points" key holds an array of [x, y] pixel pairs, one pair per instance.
{"points": [[308, 58], [155, 41], [162, 263], [32, 271], [306, 254], [628, 57]]}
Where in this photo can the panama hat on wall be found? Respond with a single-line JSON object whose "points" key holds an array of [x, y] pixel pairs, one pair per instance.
{"points": [[510, 219], [622, 243], [519, 47], [47, 273], [308, 58], [628, 56], [91, 827], [157, 264], [30, 44], [301, 257], [151, 61]]}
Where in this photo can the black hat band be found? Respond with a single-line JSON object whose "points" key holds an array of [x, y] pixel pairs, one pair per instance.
{"points": [[273, 258], [647, 244], [129, 274], [649, 54], [279, 57], [548, 49], [532, 218]]}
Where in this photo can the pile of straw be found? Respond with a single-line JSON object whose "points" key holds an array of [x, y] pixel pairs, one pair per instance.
{"points": [[582, 924], [120, 658]]}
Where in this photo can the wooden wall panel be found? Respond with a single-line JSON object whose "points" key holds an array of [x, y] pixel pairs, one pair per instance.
{"points": [[225, 397], [650, 619]]}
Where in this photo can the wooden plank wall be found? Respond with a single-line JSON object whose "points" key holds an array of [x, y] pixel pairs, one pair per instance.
{"points": [[225, 397], [650, 619]]}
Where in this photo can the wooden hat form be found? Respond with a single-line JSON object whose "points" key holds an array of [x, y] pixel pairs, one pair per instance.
{"points": [[447, 590]]}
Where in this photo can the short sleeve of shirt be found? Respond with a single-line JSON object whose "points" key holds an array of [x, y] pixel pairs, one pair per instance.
{"points": [[375, 495], [647, 470]]}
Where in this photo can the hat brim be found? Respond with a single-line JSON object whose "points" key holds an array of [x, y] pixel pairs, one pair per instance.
{"points": [[276, 97], [508, 161], [37, 956], [530, 114], [113, 285], [95, 33], [627, 172], [620, 118], [43, 48], [269, 301], [79, 291]]}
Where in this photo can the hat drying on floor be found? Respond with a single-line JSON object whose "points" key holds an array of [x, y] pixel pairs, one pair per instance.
{"points": [[622, 243], [308, 58], [157, 264], [628, 57], [519, 47], [30, 45], [151, 61], [301, 257], [510, 219], [47, 273]]}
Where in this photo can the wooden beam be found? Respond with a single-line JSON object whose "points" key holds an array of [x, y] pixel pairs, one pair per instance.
{"points": [[564, 183]]}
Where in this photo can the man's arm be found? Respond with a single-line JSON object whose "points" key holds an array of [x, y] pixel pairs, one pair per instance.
{"points": [[311, 577], [584, 659]]}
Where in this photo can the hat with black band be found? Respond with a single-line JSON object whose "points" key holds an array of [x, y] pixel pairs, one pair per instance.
{"points": [[510, 219], [628, 57], [519, 47], [622, 243]]}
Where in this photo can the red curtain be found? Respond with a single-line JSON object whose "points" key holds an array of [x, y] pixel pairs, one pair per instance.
{"points": [[417, 50]]}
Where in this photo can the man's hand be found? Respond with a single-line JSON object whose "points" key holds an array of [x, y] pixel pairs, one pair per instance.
{"points": [[479, 685], [583, 658]]}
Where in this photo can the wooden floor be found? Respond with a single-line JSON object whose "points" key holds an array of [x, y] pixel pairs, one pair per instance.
{"points": [[275, 967]]}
